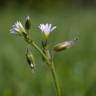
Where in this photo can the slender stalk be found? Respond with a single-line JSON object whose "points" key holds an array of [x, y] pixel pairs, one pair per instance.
{"points": [[38, 49], [55, 80], [51, 67]]}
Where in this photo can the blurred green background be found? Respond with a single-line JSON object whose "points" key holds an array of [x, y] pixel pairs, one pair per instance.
{"points": [[75, 67]]}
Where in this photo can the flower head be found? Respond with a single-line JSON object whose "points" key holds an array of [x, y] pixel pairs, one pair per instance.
{"points": [[46, 29], [17, 28]]}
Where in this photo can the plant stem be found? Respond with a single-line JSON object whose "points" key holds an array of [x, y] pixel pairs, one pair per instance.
{"points": [[38, 49], [51, 67], [55, 80]]}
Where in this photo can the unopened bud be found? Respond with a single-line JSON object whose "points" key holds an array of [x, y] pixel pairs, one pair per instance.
{"points": [[27, 23], [30, 59], [65, 45]]}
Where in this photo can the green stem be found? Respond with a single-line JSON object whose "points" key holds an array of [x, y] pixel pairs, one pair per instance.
{"points": [[55, 79], [52, 68], [38, 49]]}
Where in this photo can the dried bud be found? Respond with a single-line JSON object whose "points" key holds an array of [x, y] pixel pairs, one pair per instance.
{"points": [[27, 23], [30, 59], [64, 45]]}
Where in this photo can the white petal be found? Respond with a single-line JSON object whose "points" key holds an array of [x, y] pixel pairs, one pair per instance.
{"points": [[53, 28], [13, 31], [42, 27], [50, 25], [46, 28], [17, 28]]}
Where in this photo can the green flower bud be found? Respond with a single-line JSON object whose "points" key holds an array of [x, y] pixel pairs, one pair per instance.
{"points": [[30, 59], [27, 23]]}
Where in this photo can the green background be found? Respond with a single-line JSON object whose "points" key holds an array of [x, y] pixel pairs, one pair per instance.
{"points": [[75, 67]]}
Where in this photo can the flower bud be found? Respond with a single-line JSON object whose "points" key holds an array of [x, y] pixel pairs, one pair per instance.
{"points": [[27, 23], [63, 45], [30, 59]]}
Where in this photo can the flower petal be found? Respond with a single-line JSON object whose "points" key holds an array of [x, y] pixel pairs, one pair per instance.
{"points": [[53, 28]]}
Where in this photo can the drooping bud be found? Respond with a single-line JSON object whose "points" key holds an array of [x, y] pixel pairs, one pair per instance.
{"points": [[27, 23], [30, 59], [64, 45]]}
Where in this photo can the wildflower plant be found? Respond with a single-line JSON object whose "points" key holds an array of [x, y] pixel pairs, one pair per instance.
{"points": [[48, 56]]}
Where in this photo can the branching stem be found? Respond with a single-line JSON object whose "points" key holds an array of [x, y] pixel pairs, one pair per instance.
{"points": [[52, 69]]}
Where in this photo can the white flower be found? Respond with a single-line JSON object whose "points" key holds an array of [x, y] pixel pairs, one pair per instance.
{"points": [[46, 28], [17, 28]]}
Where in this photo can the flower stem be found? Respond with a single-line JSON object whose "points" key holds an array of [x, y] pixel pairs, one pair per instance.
{"points": [[38, 49], [55, 80], [52, 69]]}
